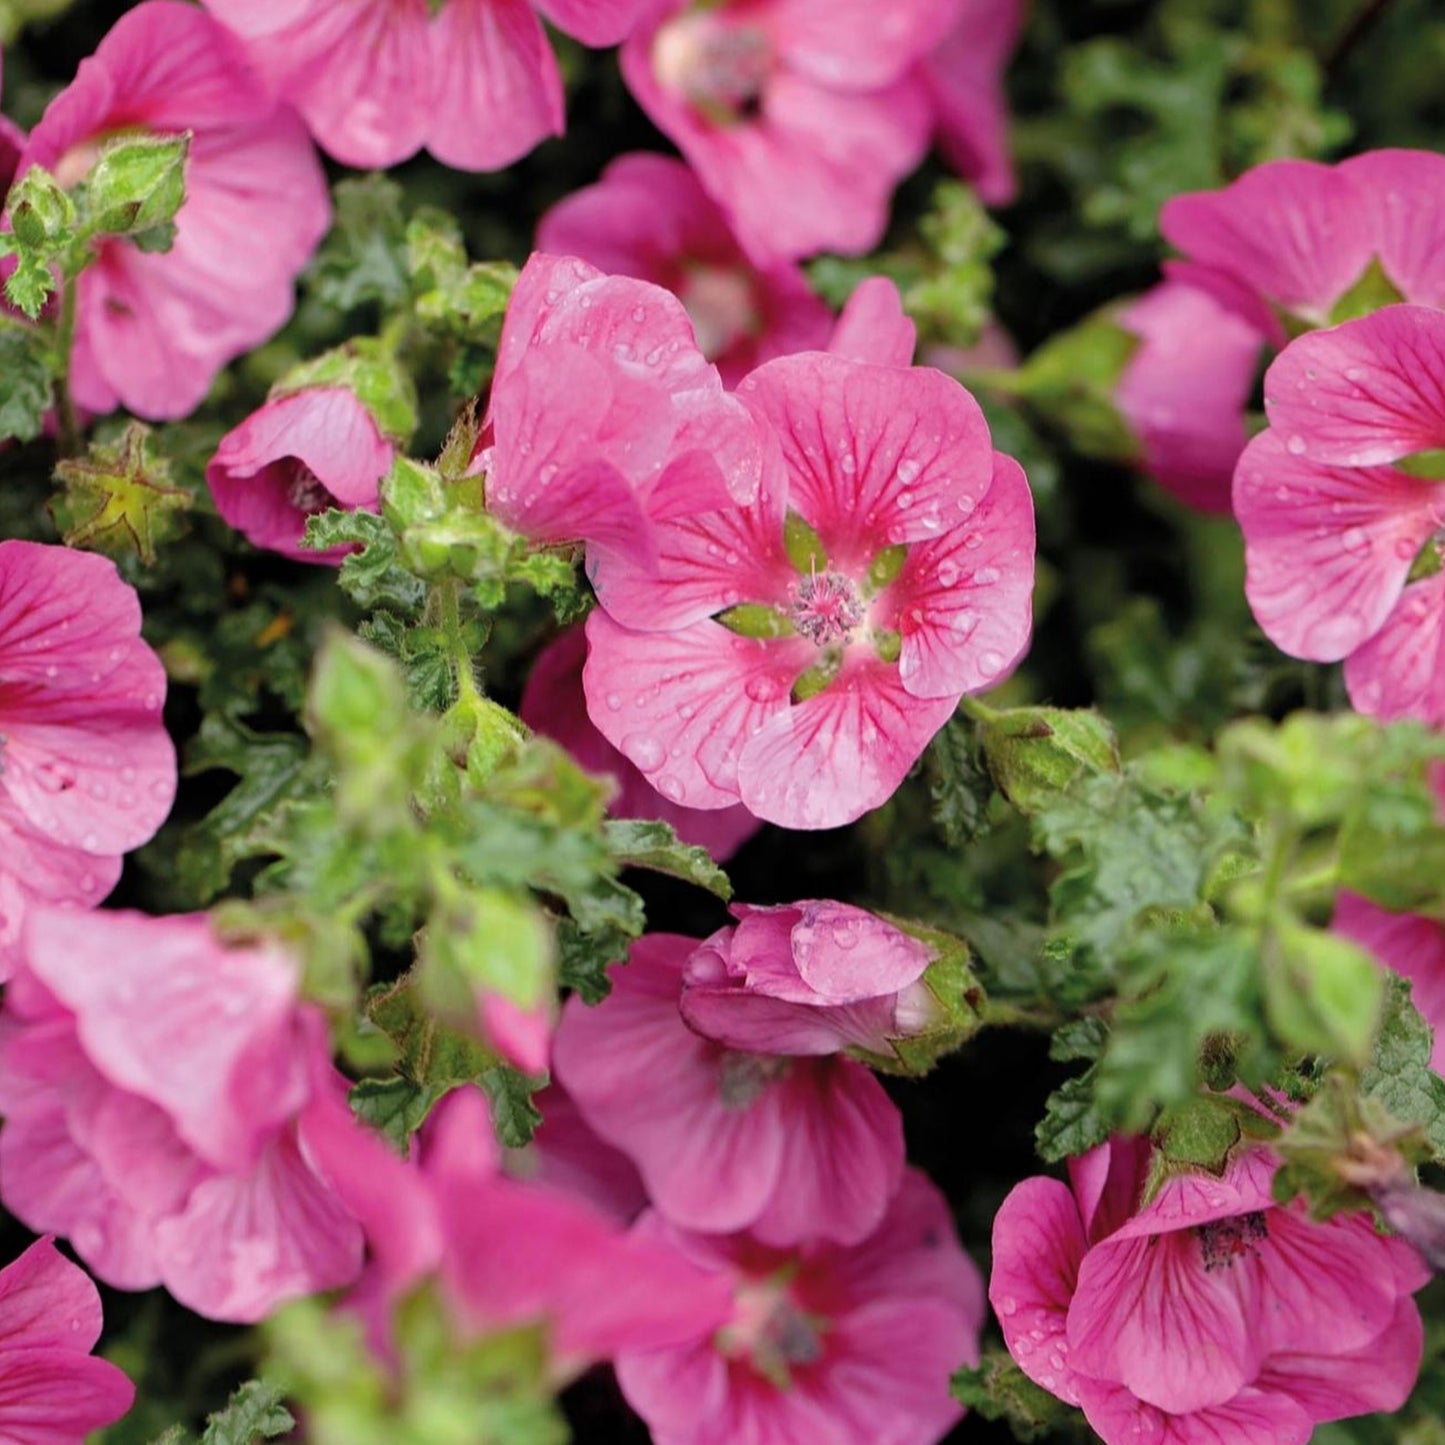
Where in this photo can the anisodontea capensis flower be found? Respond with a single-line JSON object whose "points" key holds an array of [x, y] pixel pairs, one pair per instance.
{"points": [[849, 1344], [798, 116], [1208, 1313], [52, 1390], [155, 1082], [727, 1139], [153, 330], [301, 453], [648, 217], [809, 979], [474, 81], [1343, 512], [87, 769], [798, 653]]}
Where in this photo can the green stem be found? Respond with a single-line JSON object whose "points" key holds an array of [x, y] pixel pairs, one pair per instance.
{"points": [[978, 710], [64, 402], [448, 595]]}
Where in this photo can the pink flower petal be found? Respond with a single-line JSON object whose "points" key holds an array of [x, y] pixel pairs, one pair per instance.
{"points": [[1364, 393], [1400, 671], [827, 761], [874, 455], [45, 1301], [1401, 192], [1295, 232], [1327, 548], [873, 327], [595, 22], [50, 1396], [1038, 1243], [965, 601], [680, 705], [495, 90], [1252, 1417], [849, 44], [846, 954]]}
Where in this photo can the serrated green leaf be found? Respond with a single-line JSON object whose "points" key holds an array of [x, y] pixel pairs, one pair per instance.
{"points": [[1399, 1076], [26, 380], [1072, 1123], [959, 785], [1035, 753], [514, 1116], [364, 257], [639, 843], [395, 1107], [254, 1412]]}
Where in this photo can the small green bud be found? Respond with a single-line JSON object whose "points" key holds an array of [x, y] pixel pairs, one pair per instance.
{"points": [[137, 185]]}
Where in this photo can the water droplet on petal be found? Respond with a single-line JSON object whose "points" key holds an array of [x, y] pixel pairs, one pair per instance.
{"points": [[644, 750], [1295, 446]]}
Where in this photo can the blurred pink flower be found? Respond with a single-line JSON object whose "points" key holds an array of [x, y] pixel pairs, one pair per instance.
{"points": [[965, 79], [1185, 390], [790, 1149], [808, 979], [1407, 944], [54, 1392], [474, 81], [154, 329], [152, 1079], [508, 1252], [1208, 1314], [1332, 529], [553, 703], [852, 1345], [301, 453], [798, 116], [89, 771], [648, 217], [916, 589]]}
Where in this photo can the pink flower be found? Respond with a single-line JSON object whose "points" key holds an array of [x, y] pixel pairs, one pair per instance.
{"points": [[852, 1345], [474, 81], [604, 414], [1407, 944], [567, 1156], [553, 703], [873, 327], [154, 330], [789, 1149], [648, 217], [152, 1080], [1185, 390], [88, 771], [1210, 1313], [1331, 529], [965, 80], [1288, 240], [809, 978], [810, 704], [566, 1263], [52, 1392], [302, 453], [798, 116]]}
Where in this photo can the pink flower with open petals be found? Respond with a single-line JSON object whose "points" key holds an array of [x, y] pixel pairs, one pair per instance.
{"points": [[605, 415], [648, 217], [52, 1390], [1332, 529], [152, 1079], [154, 329], [301, 453], [798, 116], [87, 770], [554, 704], [965, 80], [1185, 390], [852, 1345], [474, 81], [1290, 239], [1209, 1314], [1407, 944], [798, 653], [788, 1148], [809, 978]]}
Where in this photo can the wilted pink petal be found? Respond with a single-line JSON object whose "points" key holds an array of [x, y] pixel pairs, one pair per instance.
{"points": [[300, 454]]}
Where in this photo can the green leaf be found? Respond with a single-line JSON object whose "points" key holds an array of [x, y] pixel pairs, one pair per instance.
{"points": [[364, 258], [996, 1389], [395, 1107], [375, 576], [1072, 1123], [138, 184], [483, 940], [1399, 1076], [583, 958], [1322, 993], [1199, 1133], [959, 785], [514, 1116], [254, 1412], [27, 379], [636, 843], [1035, 753]]}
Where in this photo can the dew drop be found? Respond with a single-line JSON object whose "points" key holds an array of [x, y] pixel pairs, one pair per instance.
{"points": [[986, 576], [670, 788], [1295, 446], [614, 702], [947, 574], [990, 661], [644, 750], [1355, 539]]}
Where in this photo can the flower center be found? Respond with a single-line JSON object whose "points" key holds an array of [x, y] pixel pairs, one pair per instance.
{"points": [[770, 1332], [1228, 1240], [719, 303], [722, 69], [825, 607], [305, 492]]}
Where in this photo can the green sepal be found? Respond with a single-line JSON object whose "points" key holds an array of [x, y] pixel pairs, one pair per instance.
{"points": [[1036, 753], [366, 367], [755, 619], [137, 185], [803, 545], [1373, 290]]}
